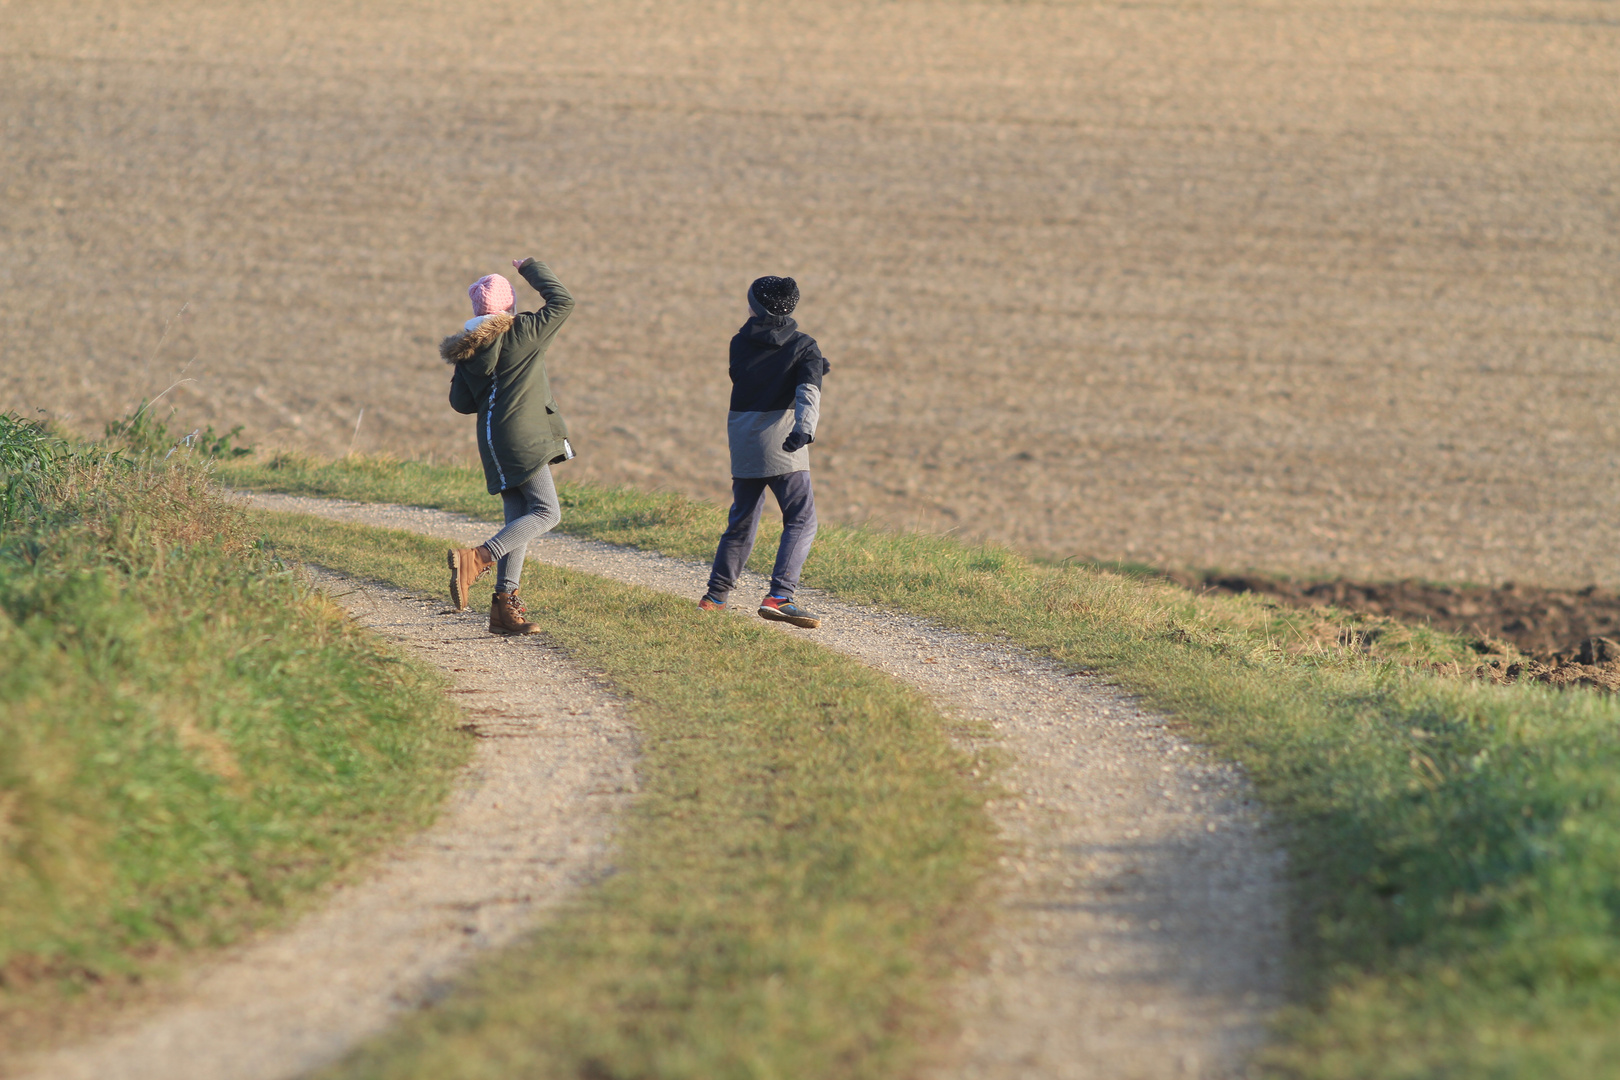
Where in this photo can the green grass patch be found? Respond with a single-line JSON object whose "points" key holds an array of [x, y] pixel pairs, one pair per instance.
{"points": [[1455, 846], [190, 738], [795, 881]]}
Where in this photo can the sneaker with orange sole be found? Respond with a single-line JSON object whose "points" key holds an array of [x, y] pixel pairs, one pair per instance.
{"points": [[779, 610]]}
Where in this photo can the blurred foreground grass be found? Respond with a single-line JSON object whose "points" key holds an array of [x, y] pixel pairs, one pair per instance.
{"points": [[190, 738], [1455, 846]]}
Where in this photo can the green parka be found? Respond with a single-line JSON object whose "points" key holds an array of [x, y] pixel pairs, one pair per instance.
{"points": [[501, 375]]}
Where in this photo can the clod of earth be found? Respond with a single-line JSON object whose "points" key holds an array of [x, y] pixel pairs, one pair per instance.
{"points": [[1595, 662]]}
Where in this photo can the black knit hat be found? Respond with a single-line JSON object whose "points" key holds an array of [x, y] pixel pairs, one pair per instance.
{"points": [[777, 295]]}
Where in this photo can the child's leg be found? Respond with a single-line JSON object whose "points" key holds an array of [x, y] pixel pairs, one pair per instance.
{"points": [[737, 542], [798, 502], [531, 511]]}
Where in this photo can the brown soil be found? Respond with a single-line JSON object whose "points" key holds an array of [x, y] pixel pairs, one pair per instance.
{"points": [[1537, 622], [1558, 636], [1321, 286], [1595, 663]]}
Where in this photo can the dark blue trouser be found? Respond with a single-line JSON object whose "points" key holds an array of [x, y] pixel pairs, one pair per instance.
{"points": [[798, 502]]}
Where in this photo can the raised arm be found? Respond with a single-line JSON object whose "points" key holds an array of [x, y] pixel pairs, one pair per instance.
{"points": [[537, 327]]}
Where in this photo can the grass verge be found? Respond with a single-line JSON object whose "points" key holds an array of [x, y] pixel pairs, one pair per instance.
{"points": [[190, 739], [795, 882], [1455, 845]]}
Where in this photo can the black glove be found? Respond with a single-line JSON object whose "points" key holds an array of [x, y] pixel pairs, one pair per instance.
{"points": [[796, 440]]}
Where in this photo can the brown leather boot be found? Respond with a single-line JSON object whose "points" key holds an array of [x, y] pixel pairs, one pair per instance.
{"points": [[467, 565], [506, 615]]}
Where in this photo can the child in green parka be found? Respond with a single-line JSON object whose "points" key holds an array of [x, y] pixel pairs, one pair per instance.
{"points": [[500, 375]]}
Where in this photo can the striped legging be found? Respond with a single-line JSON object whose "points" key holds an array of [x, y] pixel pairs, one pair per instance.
{"points": [[531, 512]]}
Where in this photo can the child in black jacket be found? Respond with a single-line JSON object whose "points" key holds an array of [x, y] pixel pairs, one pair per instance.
{"points": [[776, 374]]}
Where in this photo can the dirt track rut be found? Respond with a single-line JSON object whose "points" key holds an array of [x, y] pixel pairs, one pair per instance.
{"points": [[530, 822], [1140, 913]]}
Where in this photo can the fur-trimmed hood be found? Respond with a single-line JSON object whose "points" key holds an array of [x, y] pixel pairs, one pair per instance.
{"points": [[461, 346]]}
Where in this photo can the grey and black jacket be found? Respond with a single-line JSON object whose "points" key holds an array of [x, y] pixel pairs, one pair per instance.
{"points": [[776, 376], [500, 363]]}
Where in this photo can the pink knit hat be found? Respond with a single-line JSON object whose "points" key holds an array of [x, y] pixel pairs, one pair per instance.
{"points": [[491, 294]]}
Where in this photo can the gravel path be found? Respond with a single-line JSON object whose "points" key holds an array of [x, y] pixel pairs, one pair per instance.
{"points": [[529, 823], [1140, 929]]}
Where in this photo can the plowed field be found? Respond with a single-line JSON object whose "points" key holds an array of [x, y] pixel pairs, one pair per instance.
{"points": [[1319, 288]]}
